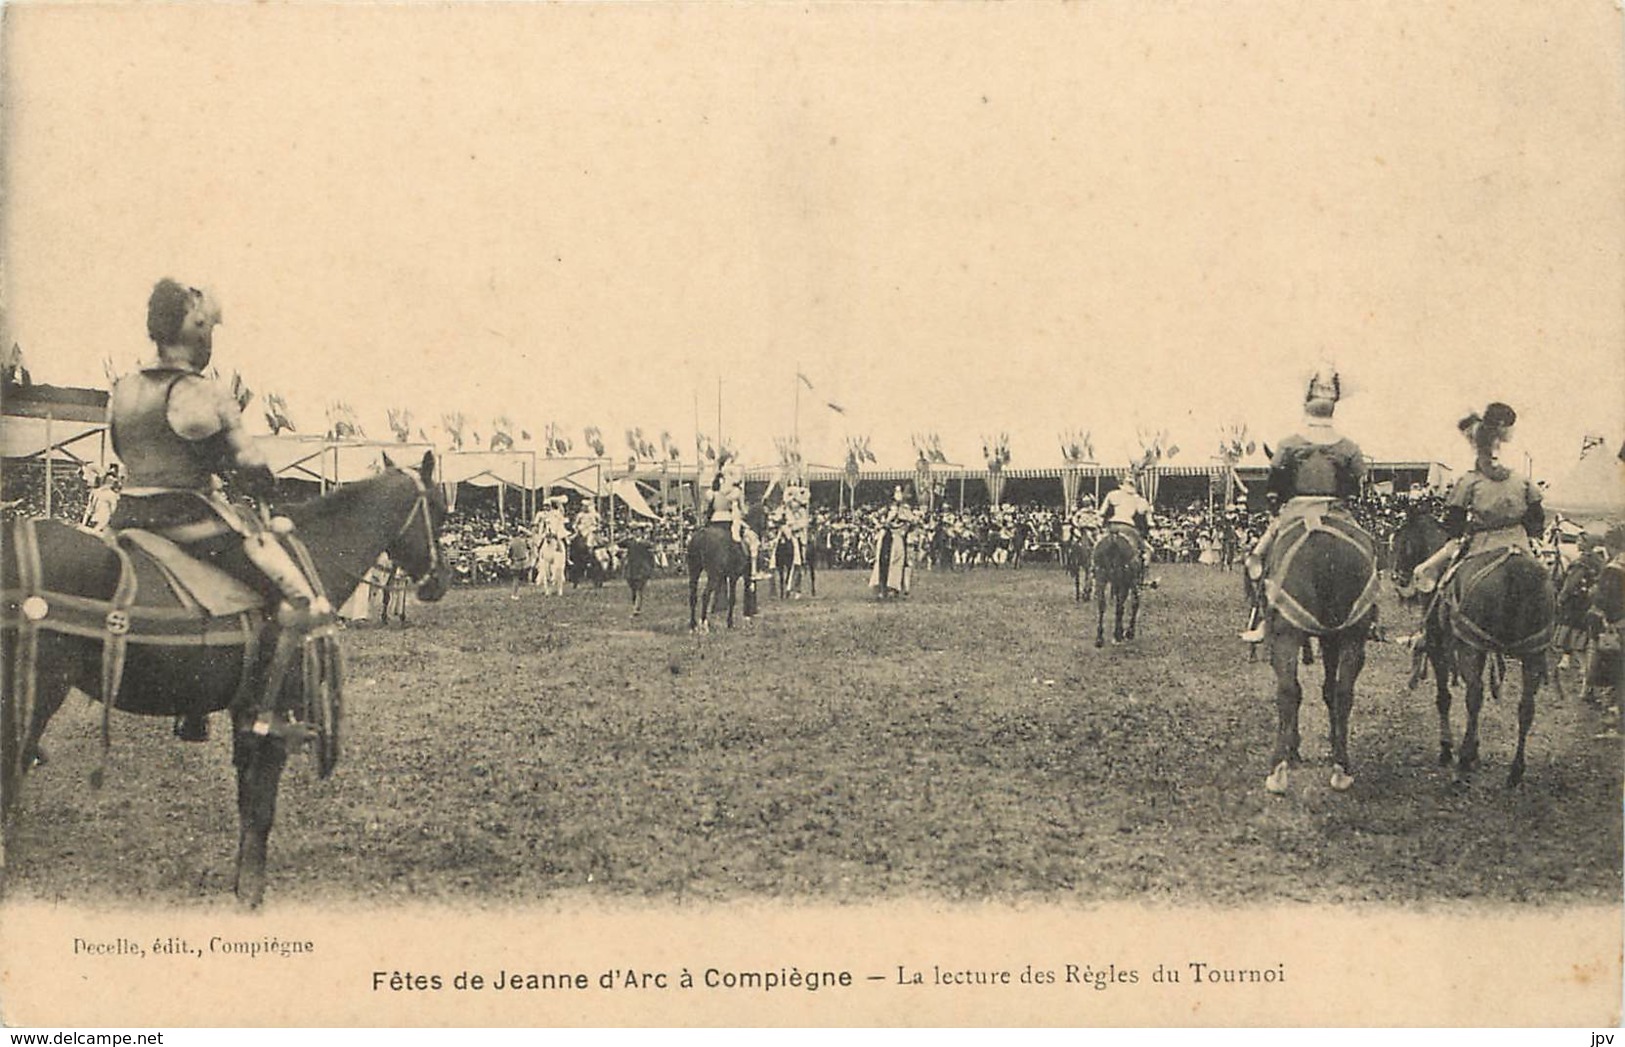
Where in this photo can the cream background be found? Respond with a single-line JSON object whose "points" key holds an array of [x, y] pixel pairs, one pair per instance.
{"points": [[985, 216]]}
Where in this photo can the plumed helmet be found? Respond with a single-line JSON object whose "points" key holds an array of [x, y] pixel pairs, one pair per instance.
{"points": [[1325, 384], [171, 304]]}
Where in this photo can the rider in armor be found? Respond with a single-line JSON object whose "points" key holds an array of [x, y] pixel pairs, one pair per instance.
{"points": [[178, 431], [1314, 468], [722, 504], [1126, 506], [1488, 508], [1085, 518]]}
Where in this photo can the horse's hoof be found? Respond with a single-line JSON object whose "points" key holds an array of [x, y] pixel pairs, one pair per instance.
{"points": [[1514, 777], [1341, 779], [1099, 642], [1445, 756], [1277, 780]]}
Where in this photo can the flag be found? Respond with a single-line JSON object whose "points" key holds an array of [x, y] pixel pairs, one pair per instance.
{"points": [[837, 408], [804, 380], [1591, 440]]}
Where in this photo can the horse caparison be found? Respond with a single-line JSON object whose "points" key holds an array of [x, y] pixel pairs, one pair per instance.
{"points": [[1495, 605], [399, 512], [1322, 577]]}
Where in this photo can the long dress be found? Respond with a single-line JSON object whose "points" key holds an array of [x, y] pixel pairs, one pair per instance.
{"points": [[890, 573]]}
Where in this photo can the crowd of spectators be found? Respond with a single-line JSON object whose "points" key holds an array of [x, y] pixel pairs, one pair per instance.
{"points": [[476, 537]]}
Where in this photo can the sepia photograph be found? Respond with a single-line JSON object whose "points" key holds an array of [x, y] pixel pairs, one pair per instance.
{"points": [[812, 514]]}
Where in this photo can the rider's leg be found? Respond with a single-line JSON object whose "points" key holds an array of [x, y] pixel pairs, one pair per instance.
{"points": [[1426, 576]]}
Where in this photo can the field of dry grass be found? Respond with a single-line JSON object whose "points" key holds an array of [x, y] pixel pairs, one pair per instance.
{"points": [[966, 744]]}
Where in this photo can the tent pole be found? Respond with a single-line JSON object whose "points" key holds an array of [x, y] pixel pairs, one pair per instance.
{"points": [[48, 419]]}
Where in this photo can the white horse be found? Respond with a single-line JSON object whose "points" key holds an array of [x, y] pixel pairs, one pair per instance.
{"points": [[550, 564]]}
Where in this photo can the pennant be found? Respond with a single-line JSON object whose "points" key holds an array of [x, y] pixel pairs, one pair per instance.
{"points": [[804, 380], [837, 408]]}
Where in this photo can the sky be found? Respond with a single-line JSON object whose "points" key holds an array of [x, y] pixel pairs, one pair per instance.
{"points": [[961, 219]]}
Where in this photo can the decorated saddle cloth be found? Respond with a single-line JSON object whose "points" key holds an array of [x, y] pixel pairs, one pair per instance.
{"points": [[132, 588], [135, 584], [1320, 573], [1470, 589]]}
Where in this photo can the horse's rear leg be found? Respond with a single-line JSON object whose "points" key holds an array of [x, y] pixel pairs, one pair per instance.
{"points": [[259, 762], [1534, 671], [1470, 664], [1100, 617], [1344, 660], [1133, 611], [1283, 647], [1441, 684]]}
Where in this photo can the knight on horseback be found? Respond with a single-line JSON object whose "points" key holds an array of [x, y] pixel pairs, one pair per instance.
{"points": [[1313, 470], [1125, 505], [178, 432], [1490, 507], [1085, 519]]}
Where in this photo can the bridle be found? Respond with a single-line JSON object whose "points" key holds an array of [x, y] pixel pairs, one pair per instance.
{"points": [[420, 512]]}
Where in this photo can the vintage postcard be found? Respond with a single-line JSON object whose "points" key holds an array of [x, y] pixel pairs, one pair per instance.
{"points": [[829, 514]]}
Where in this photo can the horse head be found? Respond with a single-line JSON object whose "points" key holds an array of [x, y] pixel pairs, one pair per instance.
{"points": [[416, 546]]}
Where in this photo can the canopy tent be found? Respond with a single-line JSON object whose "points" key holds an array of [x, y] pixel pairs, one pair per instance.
{"points": [[1593, 490], [316, 459], [54, 423], [499, 469]]}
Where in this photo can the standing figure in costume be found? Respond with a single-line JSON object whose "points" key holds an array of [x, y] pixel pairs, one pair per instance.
{"points": [[1490, 507], [1125, 505], [103, 502], [178, 432], [1314, 469], [587, 522], [890, 574]]}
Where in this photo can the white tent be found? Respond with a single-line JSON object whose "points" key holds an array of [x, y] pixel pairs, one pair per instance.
{"points": [[331, 462], [1593, 490]]}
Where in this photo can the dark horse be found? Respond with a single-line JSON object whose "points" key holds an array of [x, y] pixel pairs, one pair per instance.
{"points": [[1419, 537], [1077, 546], [220, 663], [713, 551], [1115, 564], [583, 564], [1321, 580], [1498, 602], [787, 571]]}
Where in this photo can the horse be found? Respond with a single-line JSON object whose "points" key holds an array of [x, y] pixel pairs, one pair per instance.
{"points": [[1418, 538], [1499, 603], [69, 623], [550, 563], [1077, 546], [583, 562], [724, 562], [1321, 581], [1115, 565], [785, 568]]}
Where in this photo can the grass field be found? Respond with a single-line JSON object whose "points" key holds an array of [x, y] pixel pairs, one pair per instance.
{"points": [[968, 743]]}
